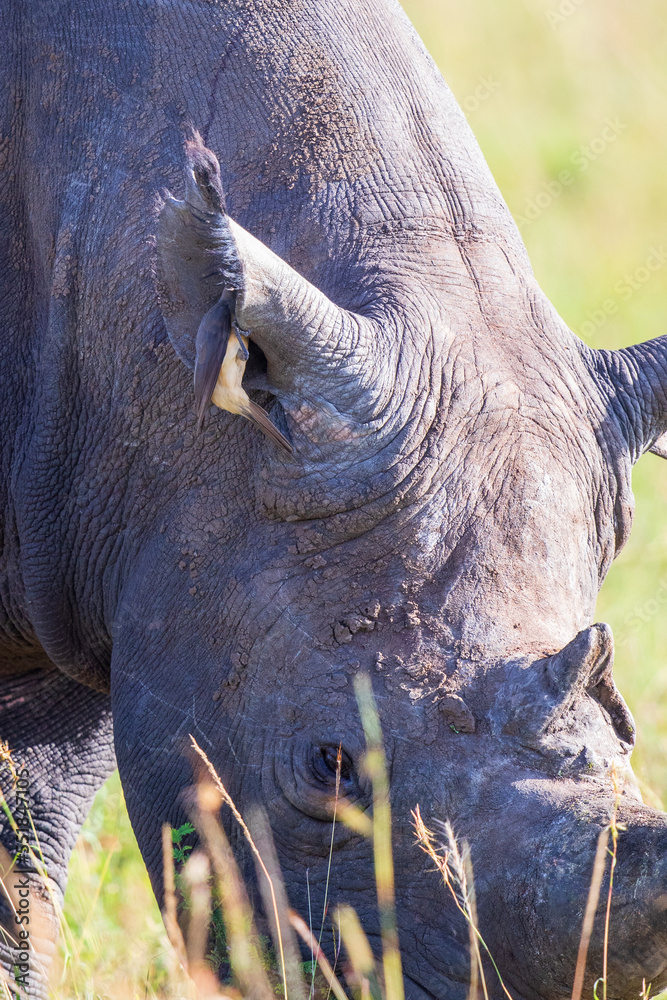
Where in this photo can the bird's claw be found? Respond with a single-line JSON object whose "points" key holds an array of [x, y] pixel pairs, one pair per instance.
{"points": [[245, 353]]}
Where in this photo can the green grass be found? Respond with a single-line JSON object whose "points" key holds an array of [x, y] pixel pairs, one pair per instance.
{"points": [[554, 85], [119, 947]]}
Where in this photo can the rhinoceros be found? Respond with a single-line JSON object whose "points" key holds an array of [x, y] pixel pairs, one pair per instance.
{"points": [[453, 486]]}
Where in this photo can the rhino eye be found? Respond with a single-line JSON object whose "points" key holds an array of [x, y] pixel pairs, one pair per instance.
{"points": [[328, 760], [307, 775]]}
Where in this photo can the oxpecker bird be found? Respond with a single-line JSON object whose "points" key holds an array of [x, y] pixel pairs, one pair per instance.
{"points": [[222, 352]]}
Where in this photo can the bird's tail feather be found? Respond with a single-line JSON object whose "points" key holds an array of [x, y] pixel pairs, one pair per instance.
{"points": [[260, 419]]}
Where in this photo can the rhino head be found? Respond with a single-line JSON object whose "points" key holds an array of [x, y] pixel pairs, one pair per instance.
{"points": [[459, 484]]}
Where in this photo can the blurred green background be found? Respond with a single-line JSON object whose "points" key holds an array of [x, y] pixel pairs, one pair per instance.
{"points": [[568, 99]]}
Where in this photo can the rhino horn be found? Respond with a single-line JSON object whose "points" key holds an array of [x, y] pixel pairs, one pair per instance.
{"points": [[634, 381], [579, 664], [312, 347], [535, 697], [586, 664]]}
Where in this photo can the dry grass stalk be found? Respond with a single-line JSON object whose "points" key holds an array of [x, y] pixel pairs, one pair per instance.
{"points": [[376, 768], [476, 966], [261, 831], [590, 911], [355, 819], [10, 990], [454, 872], [613, 828], [307, 936], [7, 758], [196, 872], [244, 955], [258, 857], [339, 760], [454, 867], [363, 972], [45, 925]]}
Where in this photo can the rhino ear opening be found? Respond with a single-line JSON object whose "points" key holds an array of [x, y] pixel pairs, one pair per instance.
{"points": [[634, 381], [311, 346]]}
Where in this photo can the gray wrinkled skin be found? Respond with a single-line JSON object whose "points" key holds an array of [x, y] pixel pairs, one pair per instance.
{"points": [[459, 486]]}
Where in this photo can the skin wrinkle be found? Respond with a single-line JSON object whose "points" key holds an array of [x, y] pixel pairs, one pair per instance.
{"points": [[406, 435]]}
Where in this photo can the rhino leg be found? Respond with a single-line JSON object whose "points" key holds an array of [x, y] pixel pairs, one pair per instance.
{"points": [[60, 737]]}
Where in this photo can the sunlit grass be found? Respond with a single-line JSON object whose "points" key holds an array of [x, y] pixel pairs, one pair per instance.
{"points": [[121, 945]]}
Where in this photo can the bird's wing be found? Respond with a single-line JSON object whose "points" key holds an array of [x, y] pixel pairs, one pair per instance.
{"points": [[211, 347]]}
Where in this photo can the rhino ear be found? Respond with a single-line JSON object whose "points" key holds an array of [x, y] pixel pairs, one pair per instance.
{"points": [[312, 347], [634, 380], [196, 254]]}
